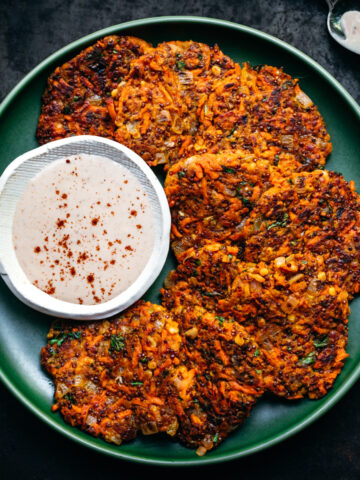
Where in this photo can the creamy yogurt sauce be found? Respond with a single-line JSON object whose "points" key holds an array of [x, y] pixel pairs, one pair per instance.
{"points": [[350, 24], [83, 229]]}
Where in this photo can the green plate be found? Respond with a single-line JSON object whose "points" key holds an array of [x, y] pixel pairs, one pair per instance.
{"points": [[23, 331]]}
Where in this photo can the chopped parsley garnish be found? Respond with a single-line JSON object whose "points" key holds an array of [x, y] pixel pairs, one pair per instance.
{"points": [[257, 353], [117, 343], [69, 398], [136, 383], [144, 360], [216, 438], [181, 174], [211, 294], [198, 261], [227, 169], [230, 257], [180, 65], [276, 160], [245, 201], [309, 359], [75, 335], [58, 340], [258, 371], [221, 320], [281, 223], [66, 110], [232, 131], [321, 343]]}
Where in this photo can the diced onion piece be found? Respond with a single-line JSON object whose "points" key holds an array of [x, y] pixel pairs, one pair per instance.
{"points": [[192, 332], [287, 141], [186, 78], [295, 278], [62, 389], [201, 451], [149, 428], [280, 261], [290, 304], [172, 428], [132, 128], [164, 116], [90, 420], [303, 99]]}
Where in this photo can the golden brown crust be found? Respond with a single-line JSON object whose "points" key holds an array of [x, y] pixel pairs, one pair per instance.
{"points": [[318, 212], [288, 305], [262, 109], [157, 104], [107, 374], [154, 371], [211, 195], [78, 99]]}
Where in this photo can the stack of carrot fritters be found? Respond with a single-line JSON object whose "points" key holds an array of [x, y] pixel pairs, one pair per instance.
{"points": [[267, 242]]}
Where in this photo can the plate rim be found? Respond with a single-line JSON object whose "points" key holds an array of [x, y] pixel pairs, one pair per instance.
{"points": [[355, 107]]}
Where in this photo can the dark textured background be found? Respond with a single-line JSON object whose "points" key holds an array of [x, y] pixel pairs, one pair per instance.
{"points": [[30, 31]]}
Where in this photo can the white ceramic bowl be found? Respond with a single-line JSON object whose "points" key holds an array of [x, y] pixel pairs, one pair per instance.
{"points": [[12, 184]]}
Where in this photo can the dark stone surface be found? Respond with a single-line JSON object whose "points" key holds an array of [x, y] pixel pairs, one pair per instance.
{"points": [[32, 30]]}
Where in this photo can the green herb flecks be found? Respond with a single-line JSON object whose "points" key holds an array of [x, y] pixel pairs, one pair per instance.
{"points": [[117, 343], [321, 343], [257, 353], [59, 340], [228, 170], [216, 437], [232, 131], [309, 359], [180, 65], [280, 223], [134, 384], [69, 398], [181, 174], [221, 320]]}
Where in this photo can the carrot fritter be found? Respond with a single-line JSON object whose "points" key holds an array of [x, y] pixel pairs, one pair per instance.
{"points": [[223, 367], [154, 371], [210, 195], [107, 374], [78, 99], [318, 212], [289, 305], [262, 109], [157, 104]]}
